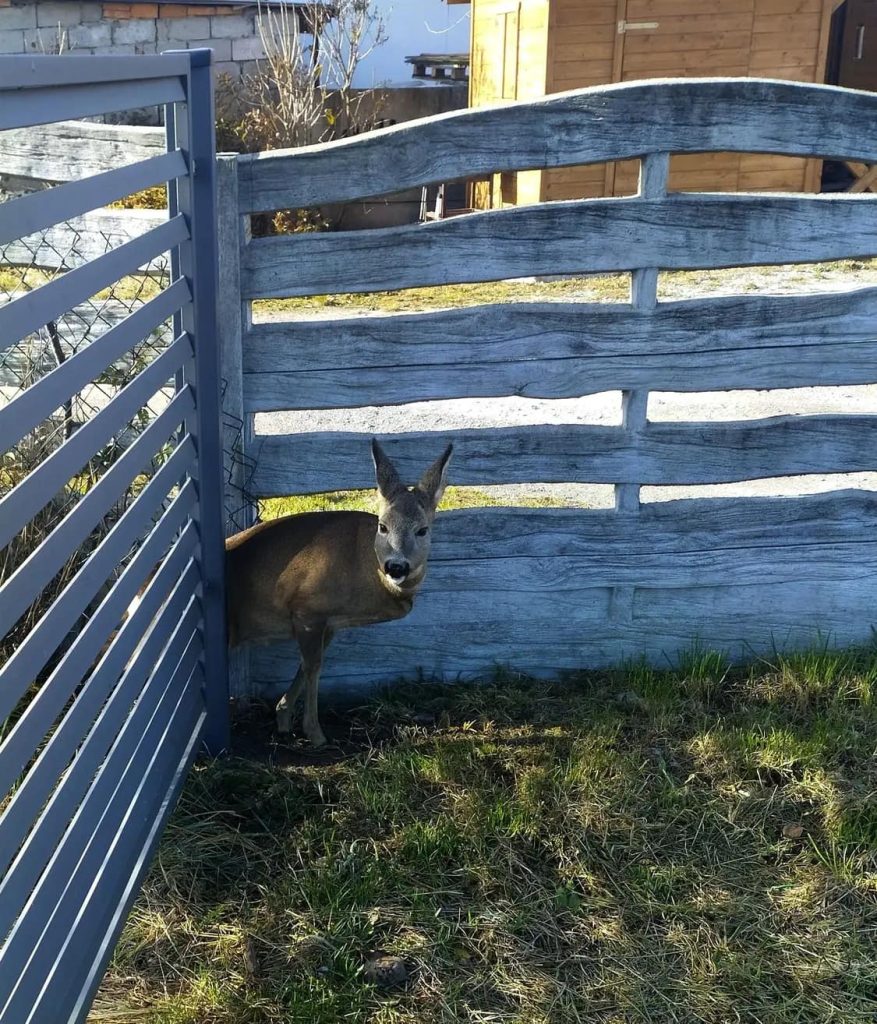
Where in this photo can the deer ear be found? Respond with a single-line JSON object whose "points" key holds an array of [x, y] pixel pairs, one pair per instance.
{"points": [[387, 478], [434, 480]]}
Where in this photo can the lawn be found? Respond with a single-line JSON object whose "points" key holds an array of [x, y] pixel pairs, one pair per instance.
{"points": [[696, 845], [654, 846], [683, 284], [367, 501]]}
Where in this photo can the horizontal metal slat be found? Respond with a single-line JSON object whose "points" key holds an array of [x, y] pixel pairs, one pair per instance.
{"points": [[37, 647], [114, 912], [33, 106], [104, 908], [587, 126], [20, 590], [40, 210], [38, 488], [680, 232], [99, 828], [42, 71], [663, 453], [32, 311], [562, 350], [111, 732], [40, 400], [101, 672]]}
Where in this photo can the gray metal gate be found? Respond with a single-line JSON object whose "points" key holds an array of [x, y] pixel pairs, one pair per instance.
{"points": [[102, 709]]}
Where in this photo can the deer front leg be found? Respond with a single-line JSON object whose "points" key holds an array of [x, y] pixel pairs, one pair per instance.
{"points": [[286, 704], [312, 644]]}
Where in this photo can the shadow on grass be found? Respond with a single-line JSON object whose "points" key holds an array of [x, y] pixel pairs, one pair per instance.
{"points": [[653, 846]]}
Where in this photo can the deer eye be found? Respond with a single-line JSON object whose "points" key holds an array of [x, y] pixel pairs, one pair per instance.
{"points": [[423, 531], [382, 528]]}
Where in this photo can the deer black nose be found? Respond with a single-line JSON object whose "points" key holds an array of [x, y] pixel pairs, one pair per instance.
{"points": [[397, 570]]}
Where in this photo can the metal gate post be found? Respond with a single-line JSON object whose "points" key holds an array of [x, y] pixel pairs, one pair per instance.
{"points": [[199, 266]]}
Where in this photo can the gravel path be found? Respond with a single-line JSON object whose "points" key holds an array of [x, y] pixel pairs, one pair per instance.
{"points": [[606, 408]]}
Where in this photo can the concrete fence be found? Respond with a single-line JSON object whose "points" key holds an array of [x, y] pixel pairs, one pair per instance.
{"points": [[560, 589]]}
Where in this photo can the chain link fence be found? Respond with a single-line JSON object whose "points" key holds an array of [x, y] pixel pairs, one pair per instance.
{"points": [[27, 264]]}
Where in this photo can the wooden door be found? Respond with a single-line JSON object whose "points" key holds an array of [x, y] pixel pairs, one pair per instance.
{"points": [[494, 72], [858, 58], [674, 38], [669, 38]]}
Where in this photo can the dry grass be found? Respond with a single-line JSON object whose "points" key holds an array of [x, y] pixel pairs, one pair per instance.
{"points": [[154, 198], [641, 846], [591, 288], [135, 287], [604, 288]]}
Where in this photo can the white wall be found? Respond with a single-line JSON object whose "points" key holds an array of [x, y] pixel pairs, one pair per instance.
{"points": [[412, 27]]}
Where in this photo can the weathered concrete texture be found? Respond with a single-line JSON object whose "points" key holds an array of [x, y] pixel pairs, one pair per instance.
{"points": [[227, 67], [44, 40], [11, 40], [137, 30], [124, 50], [233, 26], [89, 12], [247, 49], [17, 17], [221, 47], [173, 29], [51, 15], [49, 26], [99, 33]]}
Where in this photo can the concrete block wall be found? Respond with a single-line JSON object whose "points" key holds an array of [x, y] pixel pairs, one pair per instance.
{"points": [[50, 26]]}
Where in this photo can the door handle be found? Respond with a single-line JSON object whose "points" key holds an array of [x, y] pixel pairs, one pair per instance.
{"points": [[636, 26]]}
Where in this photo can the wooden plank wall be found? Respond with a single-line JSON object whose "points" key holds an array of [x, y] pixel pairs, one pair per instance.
{"points": [[558, 589], [784, 39], [509, 62], [582, 37]]}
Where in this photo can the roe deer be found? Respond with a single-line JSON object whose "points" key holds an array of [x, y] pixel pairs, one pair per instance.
{"points": [[307, 576]]}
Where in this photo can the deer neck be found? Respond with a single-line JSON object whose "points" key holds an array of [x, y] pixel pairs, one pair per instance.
{"points": [[404, 593]]}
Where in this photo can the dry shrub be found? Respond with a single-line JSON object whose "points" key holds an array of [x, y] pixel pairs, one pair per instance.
{"points": [[302, 94]]}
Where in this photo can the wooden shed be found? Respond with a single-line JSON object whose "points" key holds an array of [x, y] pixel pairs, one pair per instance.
{"points": [[525, 49]]}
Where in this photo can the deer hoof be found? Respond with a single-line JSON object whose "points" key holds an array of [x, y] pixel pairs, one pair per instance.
{"points": [[315, 736]]}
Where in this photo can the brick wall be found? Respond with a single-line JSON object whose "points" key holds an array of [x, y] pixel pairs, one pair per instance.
{"points": [[46, 26]]}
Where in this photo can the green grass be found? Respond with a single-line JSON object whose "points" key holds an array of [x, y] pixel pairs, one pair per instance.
{"points": [[644, 845], [589, 288], [367, 501], [127, 289]]}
